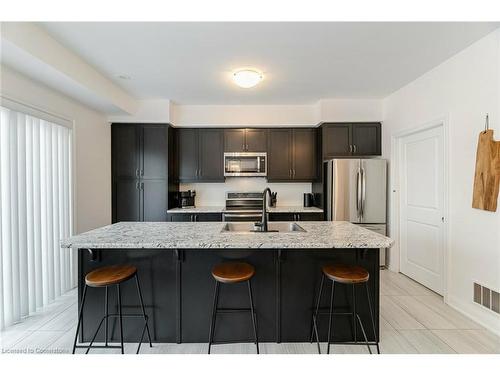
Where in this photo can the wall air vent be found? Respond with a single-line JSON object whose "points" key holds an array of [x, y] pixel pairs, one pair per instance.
{"points": [[487, 297]]}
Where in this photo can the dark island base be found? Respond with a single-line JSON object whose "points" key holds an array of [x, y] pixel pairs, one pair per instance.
{"points": [[178, 293]]}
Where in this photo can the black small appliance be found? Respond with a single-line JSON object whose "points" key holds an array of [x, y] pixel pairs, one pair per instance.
{"points": [[186, 198], [308, 199]]}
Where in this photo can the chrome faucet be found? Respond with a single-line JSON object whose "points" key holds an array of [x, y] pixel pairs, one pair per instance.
{"points": [[262, 226]]}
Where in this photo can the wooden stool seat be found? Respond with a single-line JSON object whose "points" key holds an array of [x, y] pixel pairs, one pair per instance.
{"points": [[345, 274], [111, 275], [233, 272]]}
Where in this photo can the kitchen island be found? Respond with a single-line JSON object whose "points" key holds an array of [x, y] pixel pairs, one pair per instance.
{"points": [[174, 261]]}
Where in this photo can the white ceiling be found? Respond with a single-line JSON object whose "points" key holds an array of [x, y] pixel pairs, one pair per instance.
{"points": [[190, 63]]}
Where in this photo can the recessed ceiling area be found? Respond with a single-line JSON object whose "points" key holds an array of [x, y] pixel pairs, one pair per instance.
{"points": [[192, 63]]}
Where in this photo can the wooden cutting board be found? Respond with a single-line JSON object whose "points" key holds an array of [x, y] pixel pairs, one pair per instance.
{"points": [[487, 176]]}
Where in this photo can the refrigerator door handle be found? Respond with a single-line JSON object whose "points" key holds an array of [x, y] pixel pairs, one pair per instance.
{"points": [[363, 191], [358, 192]]}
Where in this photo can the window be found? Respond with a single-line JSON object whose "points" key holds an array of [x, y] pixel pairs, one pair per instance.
{"points": [[35, 211]]}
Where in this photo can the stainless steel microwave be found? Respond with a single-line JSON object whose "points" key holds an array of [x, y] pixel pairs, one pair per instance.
{"points": [[245, 164]]}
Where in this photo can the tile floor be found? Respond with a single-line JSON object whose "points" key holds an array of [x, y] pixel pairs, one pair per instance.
{"points": [[413, 320]]}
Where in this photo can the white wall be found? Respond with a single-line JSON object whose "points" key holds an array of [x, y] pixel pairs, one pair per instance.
{"points": [[92, 150], [148, 111], [213, 194], [344, 110], [461, 90], [244, 115], [334, 110]]}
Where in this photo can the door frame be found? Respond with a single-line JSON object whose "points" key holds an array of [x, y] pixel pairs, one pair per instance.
{"points": [[395, 197]]}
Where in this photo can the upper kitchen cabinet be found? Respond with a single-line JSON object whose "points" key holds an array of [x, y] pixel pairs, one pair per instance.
{"points": [[292, 155], [125, 145], [279, 155], [245, 140], [210, 155], [140, 171], [366, 139], [358, 139], [200, 155]]}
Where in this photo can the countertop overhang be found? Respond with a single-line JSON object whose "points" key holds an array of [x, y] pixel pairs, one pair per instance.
{"points": [[209, 235], [222, 209]]}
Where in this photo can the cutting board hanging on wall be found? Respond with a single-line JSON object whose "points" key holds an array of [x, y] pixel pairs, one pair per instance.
{"points": [[487, 176]]}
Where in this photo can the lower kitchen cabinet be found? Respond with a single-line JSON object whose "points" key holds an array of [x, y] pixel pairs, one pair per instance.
{"points": [[292, 216], [212, 216]]}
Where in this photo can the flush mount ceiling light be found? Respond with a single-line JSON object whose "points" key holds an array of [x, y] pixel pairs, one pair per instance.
{"points": [[247, 78], [124, 77]]}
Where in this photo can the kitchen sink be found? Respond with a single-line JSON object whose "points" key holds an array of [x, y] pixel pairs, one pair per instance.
{"points": [[248, 227]]}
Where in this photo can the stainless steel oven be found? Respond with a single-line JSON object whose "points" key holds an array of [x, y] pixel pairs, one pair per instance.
{"points": [[245, 164], [246, 206]]}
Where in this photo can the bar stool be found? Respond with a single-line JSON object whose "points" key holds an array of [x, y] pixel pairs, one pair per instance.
{"points": [[232, 273], [107, 277], [347, 275]]}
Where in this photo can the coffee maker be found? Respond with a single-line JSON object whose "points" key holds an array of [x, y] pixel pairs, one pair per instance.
{"points": [[186, 199]]}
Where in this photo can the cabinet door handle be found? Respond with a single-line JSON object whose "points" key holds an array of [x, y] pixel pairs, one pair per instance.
{"points": [[294, 172], [137, 186], [354, 146], [142, 185], [136, 173], [350, 148], [142, 172]]}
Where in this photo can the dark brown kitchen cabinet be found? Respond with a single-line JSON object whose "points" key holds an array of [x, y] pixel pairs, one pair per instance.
{"points": [[210, 155], [245, 140], [201, 217], [353, 139], [140, 171], [337, 140], [187, 157], [366, 139], [125, 143], [293, 216], [200, 155], [292, 155], [304, 154], [279, 155], [126, 200]]}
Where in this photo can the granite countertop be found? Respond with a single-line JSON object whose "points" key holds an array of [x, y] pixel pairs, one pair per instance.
{"points": [[210, 209], [199, 235]]}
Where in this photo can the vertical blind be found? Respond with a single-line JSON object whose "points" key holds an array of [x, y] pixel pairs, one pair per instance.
{"points": [[36, 212]]}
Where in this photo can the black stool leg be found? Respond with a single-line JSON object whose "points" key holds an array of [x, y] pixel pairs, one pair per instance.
{"points": [[143, 314], [254, 323], [106, 317], [354, 333], [80, 314], [371, 317], [214, 316], [315, 314], [330, 318], [120, 315], [364, 333]]}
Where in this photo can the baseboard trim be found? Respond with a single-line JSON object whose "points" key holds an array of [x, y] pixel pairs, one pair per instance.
{"points": [[482, 316]]}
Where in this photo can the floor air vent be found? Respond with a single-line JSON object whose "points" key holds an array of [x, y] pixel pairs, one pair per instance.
{"points": [[487, 297]]}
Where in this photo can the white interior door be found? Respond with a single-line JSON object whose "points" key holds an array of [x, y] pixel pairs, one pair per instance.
{"points": [[421, 176]]}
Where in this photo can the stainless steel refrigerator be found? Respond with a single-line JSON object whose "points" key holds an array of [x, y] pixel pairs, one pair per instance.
{"points": [[356, 191]]}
